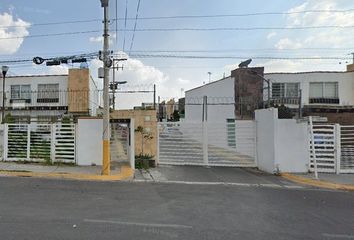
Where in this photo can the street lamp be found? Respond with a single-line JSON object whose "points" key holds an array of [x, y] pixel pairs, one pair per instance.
{"points": [[4, 71]]}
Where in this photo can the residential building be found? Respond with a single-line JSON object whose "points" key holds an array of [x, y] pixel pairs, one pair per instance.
{"points": [[232, 97], [166, 109], [46, 98], [323, 93]]}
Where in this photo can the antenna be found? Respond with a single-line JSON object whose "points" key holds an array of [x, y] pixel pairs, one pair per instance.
{"points": [[245, 64], [209, 73], [353, 56]]}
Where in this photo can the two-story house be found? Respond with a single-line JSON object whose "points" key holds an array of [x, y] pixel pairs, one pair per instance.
{"points": [[47, 98], [326, 94]]}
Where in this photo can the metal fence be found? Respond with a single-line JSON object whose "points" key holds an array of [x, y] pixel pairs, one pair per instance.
{"points": [[207, 143], [40, 142], [331, 148], [50, 103]]}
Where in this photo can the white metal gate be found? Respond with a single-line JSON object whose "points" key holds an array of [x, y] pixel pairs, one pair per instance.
{"points": [[333, 148], [205, 143], [40, 142], [346, 149], [323, 150]]}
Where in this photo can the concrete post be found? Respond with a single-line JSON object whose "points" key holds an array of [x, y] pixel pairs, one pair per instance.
{"points": [[337, 147]]}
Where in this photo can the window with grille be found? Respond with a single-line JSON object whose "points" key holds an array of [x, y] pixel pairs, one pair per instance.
{"points": [[285, 90], [21, 92], [324, 92], [48, 93]]}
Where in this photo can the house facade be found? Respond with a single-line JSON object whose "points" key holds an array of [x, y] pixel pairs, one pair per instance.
{"points": [[47, 98], [326, 94]]}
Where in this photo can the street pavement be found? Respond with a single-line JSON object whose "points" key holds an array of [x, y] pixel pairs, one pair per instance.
{"points": [[212, 175], [32, 208]]}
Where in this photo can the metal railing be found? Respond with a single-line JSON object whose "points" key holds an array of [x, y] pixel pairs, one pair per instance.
{"points": [[73, 101]]}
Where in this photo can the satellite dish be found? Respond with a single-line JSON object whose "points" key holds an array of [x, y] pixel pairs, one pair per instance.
{"points": [[38, 60], [245, 64]]}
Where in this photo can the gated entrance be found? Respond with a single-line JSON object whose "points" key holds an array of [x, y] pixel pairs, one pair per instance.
{"points": [[332, 149], [121, 142], [232, 143]]}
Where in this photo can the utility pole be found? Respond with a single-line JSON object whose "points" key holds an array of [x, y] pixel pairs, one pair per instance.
{"points": [[116, 60], [106, 165], [154, 101]]}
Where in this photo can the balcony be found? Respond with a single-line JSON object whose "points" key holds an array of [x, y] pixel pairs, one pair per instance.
{"points": [[285, 101], [72, 101], [324, 101]]}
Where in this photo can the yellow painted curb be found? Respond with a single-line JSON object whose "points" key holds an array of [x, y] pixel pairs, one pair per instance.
{"points": [[317, 183], [126, 173]]}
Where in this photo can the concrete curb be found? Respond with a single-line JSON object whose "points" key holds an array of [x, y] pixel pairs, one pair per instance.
{"points": [[126, 173], [317, 183]]}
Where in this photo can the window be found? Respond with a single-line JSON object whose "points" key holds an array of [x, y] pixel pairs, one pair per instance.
{"points": [[285, 90], [231, 132], [48, 93], [21, 92], [324, 92]]}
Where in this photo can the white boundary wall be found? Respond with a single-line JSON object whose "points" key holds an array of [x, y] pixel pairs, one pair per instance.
{"points": [[89, 142], [282, 144]]}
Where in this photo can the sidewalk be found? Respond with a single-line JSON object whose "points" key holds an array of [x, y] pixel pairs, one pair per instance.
{"points": [[325, 180], [90, 173]]}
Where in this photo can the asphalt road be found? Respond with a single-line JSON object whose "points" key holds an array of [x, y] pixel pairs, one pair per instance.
{"points": [[53, 209]]}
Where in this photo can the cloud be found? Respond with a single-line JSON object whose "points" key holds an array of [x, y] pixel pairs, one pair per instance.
{"points": [[286, 43], [57, 70], [19, 28], [314, 38], [140, 76], [99, 39], [271, 35]]}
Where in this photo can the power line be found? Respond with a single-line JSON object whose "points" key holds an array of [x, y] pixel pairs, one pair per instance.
{"points": [[116, 29], [185, 16], [125, 22], [232, 57], [238, 49], [183, 29], [51, 34], [244, 14], [134, 30], [52, 23], [240, 28]]}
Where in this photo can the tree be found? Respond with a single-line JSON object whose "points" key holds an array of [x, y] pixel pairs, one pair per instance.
{"points": [[284, 112], [176, 116], [145, 135]]}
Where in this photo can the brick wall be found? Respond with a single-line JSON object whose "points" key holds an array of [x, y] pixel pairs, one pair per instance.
{"points": [[248, 91]]}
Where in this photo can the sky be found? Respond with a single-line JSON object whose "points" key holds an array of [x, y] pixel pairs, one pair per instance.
{"points": [[173, 76]]}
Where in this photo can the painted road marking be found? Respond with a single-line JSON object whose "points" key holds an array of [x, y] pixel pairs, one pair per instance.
{"points": [[341, 236], [156, 225]]}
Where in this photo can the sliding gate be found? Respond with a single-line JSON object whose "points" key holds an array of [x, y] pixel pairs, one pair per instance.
{"points": [[232, 143]]}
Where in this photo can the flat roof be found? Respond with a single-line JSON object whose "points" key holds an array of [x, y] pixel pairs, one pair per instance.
{"points": [[307, 72], [209, 83], [44, 75]]}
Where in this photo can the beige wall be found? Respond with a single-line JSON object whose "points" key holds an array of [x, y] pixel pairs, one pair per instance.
{"points": [[350, 68], [78, 90], [169, 108], [145, 118]]}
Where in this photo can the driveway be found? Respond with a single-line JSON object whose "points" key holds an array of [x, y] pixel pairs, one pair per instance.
{"points": [[212, 175]]}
